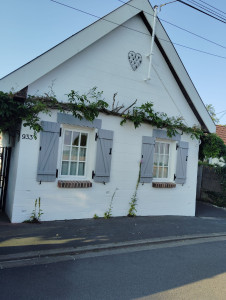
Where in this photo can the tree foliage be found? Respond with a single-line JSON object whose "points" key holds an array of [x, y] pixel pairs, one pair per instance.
{"points": [[212, 146], [211, 111]]}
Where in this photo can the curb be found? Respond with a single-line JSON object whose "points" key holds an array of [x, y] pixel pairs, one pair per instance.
{"points": [[41, 256]]}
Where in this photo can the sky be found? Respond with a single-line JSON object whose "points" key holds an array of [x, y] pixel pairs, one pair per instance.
{"points": [[30, 27]]}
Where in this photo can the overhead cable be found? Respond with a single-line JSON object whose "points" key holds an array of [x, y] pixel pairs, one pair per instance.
{"points": [[210, 10], [213, 7], [201, 11], [188, 31], [135, 30]]}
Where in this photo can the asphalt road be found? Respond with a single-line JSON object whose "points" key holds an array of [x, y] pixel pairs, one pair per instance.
{"points": [[188, 270]]}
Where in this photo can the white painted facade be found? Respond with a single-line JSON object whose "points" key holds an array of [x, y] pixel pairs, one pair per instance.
{"points": [[104, 64], [58, 203]]}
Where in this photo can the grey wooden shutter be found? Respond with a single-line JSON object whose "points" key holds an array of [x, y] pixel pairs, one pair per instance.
{"points": [[147, 156], [103, 158], [182, 157], [47, 162]]}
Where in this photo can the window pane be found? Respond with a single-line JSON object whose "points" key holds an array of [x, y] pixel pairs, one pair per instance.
{"points": [[165, 172], [73, 168], [155, 159], [161, 158], [161, 148], [82, 154], [155, 172], [167, 148], [159, 172], [67, 137], [83, 139], [74, 153], [75, 139], [166, 160], [156, 147], [81, 169], [64, 168], [66, 153]]}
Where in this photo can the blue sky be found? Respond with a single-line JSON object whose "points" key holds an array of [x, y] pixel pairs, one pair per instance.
{"points": [[30, 27]]}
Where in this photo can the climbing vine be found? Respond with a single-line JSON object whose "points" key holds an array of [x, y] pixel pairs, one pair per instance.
{"points": [[173, 125], [14, 111]]}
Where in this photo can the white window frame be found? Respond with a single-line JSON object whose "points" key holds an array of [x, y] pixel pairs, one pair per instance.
{"points": [[171, 161], [80, 130]]}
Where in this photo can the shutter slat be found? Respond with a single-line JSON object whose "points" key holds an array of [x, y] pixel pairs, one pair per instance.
{"points": [[47, 163], [103, 158], [181, 169], [147, 156]]}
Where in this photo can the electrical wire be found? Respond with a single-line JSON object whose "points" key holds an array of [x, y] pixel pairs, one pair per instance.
{"points": [[207, 9], [183, 29], [201, 11], [222, 116], [135, 30], [221, 112], [213, 7], [197, 35]]}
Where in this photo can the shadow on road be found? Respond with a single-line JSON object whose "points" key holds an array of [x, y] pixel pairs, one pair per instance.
{"points": [[209, 211]]}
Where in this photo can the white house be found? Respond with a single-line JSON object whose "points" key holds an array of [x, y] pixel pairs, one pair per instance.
{"points": [[73, 186]]}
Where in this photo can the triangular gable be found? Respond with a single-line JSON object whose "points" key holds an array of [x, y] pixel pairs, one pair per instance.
{"points": [[59, 54]]}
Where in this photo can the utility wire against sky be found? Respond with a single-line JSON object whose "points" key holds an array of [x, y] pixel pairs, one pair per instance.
{"points": [[210, 10], [222, 116], [188, 31], [221, 20], [212, 7], [138, 31], [223, 112]]}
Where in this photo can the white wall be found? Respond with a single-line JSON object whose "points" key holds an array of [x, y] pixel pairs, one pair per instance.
{"points": [[60, 203], [106, 66]]}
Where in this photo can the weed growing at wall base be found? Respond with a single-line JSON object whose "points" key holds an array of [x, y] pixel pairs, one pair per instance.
{"points": [[108, 213], [36, 213], [133, 202]]}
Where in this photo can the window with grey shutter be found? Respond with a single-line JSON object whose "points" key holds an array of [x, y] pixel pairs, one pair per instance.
{"points": [[103, 158], [147, 154], [47, 162], [182, 157]]}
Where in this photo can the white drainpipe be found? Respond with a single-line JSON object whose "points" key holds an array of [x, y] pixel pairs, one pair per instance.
{"points": [[152, 42]]}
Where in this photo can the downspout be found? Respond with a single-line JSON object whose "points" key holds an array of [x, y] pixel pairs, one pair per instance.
{"points": [[152, 42]]}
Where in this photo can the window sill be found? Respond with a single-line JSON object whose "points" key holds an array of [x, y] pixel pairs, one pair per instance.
{"points": [[74, 184], [163, 185]]}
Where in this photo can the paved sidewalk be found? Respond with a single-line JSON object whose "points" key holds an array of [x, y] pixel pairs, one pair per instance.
{"points": [[59, 237]]}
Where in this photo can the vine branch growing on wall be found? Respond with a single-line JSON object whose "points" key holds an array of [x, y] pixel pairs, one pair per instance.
{"points": [[13, 112]]}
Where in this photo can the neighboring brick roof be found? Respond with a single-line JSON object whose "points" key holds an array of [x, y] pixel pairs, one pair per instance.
{"points": [[221, 132]]}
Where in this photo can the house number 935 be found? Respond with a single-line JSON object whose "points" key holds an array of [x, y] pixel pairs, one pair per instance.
{"points": [[27, 137]]}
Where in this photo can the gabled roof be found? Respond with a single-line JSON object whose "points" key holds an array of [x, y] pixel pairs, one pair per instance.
{"points": [[57, 55], [221, 132]]}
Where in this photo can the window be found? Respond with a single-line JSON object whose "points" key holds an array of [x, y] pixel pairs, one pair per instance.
{"points": [[74, 153], [161, 160], [86, 150]]}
